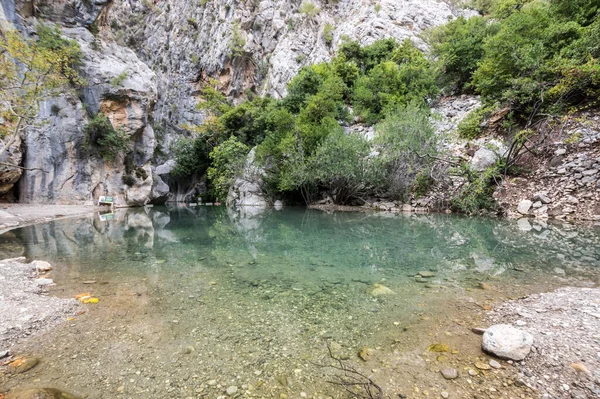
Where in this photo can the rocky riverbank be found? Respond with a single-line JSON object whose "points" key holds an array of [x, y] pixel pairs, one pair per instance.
{"points": [[25, 306], [565, 357]]}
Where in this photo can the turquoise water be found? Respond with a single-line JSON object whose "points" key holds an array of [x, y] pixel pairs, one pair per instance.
{"points": [[207, 298]]}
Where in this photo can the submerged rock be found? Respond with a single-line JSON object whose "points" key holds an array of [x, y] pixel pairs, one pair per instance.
{"points": [[22, 366], [365, 353], [507, 342], [380, 289]]}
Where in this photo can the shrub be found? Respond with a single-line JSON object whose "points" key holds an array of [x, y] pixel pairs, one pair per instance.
{"points": [[119, 79], [191, 156], [128, 180], [408, 145], [308, 8], [228, 160], [101, 136], [328, 33], [343, 164], [458, 45], [476, 195], [470, 127]]}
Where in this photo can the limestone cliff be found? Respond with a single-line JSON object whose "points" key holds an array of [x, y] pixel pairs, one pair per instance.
{"points": [[167, 49]]}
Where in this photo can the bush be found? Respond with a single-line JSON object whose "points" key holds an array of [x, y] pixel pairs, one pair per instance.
{"points": [[191, 156], [101, 136], [228, 160], [406, 77], [470, 127], [408, 145], [328, 33], [476, 195], [308, 8], [458, 46], [343, 164]]}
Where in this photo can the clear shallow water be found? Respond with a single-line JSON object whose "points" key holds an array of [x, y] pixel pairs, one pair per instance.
{"points": [[192, 295]]}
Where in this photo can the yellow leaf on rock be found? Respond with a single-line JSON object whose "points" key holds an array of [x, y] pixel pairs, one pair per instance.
{"points": [[91, 300]]}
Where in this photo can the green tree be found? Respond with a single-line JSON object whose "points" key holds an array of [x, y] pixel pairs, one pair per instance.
{"points": [[458, 46], [408, 147], [227, 162]]}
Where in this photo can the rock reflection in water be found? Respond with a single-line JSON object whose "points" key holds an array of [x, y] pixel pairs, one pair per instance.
{"points": [[295, 240]]}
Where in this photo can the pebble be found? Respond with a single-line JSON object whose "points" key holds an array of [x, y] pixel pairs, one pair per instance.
{"points": [[212, 382], [495, 364], [482, 366], [232, 390], [473, 373], [449, 373], [3, 354], [444, 395]]}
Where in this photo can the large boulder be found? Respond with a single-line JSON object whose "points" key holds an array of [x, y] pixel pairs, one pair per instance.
{"points": [[487, 155], [247, 189], [507, 342]]}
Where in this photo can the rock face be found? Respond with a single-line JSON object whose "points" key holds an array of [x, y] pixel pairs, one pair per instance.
{"points": [[507, 342], [74, 173], [167, 50], [10, 176], [247, 189]]}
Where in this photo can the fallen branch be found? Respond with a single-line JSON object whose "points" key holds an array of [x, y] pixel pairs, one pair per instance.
{"points": [[352, 381]]}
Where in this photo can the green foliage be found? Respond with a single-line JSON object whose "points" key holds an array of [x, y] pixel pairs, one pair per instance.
{"points": [[212, 100], [32, 70], [191, 156], [309, 8], [470, 127], [328, 33], [538, 56], [458, 45], [344, 166], [237, 42], [407, 76], [227, 162], [128, 180], [476, 195], [119, 79], [102, 137], [408, 146]]}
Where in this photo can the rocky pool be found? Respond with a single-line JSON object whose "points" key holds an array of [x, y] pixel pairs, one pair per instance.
{"points": [[207, 302]]}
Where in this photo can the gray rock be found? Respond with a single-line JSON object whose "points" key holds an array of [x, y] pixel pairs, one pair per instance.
{"points": [[560, 151], [4, 354], [44, 281], [247, 189], [486, 157], [232, 390], [542, 197], [507, 342], [449, 373], [524, 224], [524, 207], [495, 364]]}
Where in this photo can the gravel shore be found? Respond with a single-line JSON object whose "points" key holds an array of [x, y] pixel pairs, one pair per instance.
{"points": [[25, 308], [565, 360]]}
